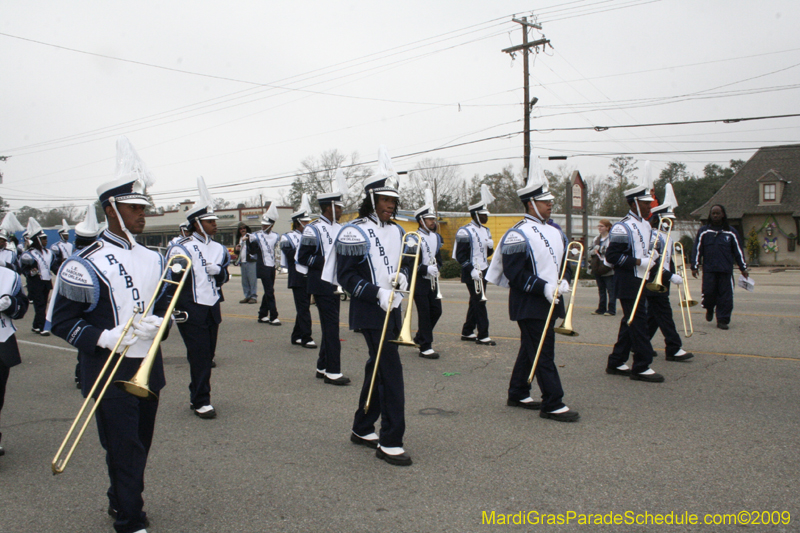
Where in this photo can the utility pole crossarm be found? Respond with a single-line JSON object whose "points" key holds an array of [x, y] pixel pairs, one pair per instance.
{"points": [[525, 22], [526, 46]]}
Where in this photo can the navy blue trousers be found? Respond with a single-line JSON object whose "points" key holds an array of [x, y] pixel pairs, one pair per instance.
{"points": [[302, 322], [38, 291], [546, 372], [388, 398], [429, 310], [718, 294], [608, 298], [330, 348], [659, 316], [476, 314], [633, 337], [268, 307], [4, 373], [125, 425], [201, 346]]}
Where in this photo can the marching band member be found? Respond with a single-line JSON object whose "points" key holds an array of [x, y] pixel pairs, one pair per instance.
{"points": [[629, 253], [718, 246], [8, 254], [199, 308], [367, 252], [316, 246], [183, 232], [659, 310], [529, 264], [38, 265], [246, 258], [264, 242], [13, 305], [429, 309], [473, 247], [98, 290], [62, 249], [290, 242]]}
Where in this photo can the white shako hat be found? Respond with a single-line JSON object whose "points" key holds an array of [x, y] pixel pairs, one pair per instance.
{"points": [[482, 207], [271, 216], [642, 187], [204, 210], [304, 213], [131, 178], [386, 181], [338, 191], [427, 210], [10, 225], [537, 186], [64, 226], [34, 229], [89, 227], [184, 225], [667, 208]]}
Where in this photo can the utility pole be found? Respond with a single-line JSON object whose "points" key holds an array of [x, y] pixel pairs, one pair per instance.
{"points": [[525, 47]]}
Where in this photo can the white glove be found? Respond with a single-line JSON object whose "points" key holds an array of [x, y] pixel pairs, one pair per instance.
{"points": [[654, 261], [148, 327], [433, 271], [490, 243], [676, 279], [476, 274], [563, 288], [5, 303], [549, 292], [383, 299], [213, 270], [402, 282], [109, 338]]}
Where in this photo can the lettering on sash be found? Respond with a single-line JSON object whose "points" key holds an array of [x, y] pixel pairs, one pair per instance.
{"points": [[547, 244]]}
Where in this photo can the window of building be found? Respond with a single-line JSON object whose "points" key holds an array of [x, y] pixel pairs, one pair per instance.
{"points": [[770, 192]]}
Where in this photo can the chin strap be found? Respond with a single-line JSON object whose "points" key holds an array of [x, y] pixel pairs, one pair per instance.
{"points": [[131, 238], [538, 214]]}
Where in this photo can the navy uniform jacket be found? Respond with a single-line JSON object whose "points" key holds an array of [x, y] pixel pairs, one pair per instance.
{"points": [[718, 249], [201, 294], [93, 283], [356, 272], [311, 254], [289, 242], [630, 241], [463, 251], [422, 270], [11, 286]]}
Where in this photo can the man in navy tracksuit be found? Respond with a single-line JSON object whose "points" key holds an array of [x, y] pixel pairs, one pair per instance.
{"points": [[718, 246]]}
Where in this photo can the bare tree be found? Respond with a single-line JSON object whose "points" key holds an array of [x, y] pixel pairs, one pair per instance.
{"points": [[316, 176], [444, 180]]}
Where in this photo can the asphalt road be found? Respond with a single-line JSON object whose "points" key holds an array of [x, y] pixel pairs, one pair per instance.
{"points": [[720, 436]]}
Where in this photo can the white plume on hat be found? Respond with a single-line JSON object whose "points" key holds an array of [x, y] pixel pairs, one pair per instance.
{"points": [[34, 227], [206, 200], [385, 166], [271, 216], [341, 182], [669, 197], [429, 199], [130, 165], [11, 224], [647, 176], [486, 195], [64, 226], [89, 227], [305, 204]]}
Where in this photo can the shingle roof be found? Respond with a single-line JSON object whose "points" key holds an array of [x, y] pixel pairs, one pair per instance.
{"points": [[739, 195]]}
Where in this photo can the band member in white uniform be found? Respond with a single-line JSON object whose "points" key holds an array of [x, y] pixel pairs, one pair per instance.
{"points": [[8, 254], [529, 263], [429, 308], [183, 231], [365, 263], [13, 305], [38, 265], [474, 246], [98, 290], [198, 306], [264, 243], [63, 248], [297, 281]]}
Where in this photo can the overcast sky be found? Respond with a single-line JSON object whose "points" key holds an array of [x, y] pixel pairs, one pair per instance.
{"points": [[244, 91]]}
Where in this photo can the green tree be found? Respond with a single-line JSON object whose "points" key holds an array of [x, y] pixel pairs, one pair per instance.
{"points": [[622, 176], [504, 187]]}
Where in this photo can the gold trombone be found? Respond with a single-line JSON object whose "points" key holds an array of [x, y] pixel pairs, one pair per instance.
{"points": [[405, 331], [138, 384], [656, 286], [683, 291], [573, 248]]}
